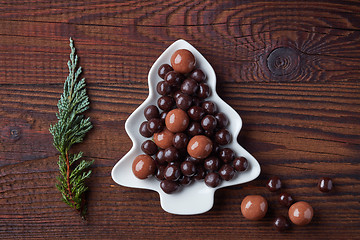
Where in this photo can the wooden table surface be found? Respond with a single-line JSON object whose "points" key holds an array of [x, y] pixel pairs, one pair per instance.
{"points": [[291, 69]]}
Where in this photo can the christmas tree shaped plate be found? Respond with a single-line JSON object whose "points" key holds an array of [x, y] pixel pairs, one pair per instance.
{"points": [[197, 197]]}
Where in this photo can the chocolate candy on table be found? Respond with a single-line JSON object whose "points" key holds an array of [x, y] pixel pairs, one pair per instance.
{"points": [[151, 111], [196, 113], [203, 91], [226, 172], [188, 168], [222, 137], [285, 199], [165, 103], [209, 107], [198, 75], [163, 88], [164, 138], [160, 157], [172, 172], [211, 163], [193, 160], [200, 173], [180, 140], [240, 164], [185, 180], [199, 146], [254, 207], [183, 61], [155, 125], [209, 123], [169, 186], [162, 117], [143, 166], [160, 172], [194, 128], [301, 213], [226, 155], [325, 184], [149, 147], [183, 101], [173, 78], [281, 223], [177, 120], [143, 129], [164, 69], [212, 179], [189, 86], [222, 120], [274, 184], [171, 154]]}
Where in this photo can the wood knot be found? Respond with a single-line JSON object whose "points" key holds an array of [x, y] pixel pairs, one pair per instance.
{"points": [[14, 133], [283, 61]]}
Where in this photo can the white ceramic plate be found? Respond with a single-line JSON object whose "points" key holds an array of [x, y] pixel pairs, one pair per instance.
{"points": [[196, 198]]}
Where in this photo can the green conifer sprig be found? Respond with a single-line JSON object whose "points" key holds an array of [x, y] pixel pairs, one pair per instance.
{"points": [[70, 129]]}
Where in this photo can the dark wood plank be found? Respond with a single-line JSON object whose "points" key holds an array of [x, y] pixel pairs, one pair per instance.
{"points": [[290, 68]]}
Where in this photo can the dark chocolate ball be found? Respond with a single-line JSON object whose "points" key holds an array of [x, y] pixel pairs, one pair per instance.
{"points": [[162, 117], [281, 223], [198, 75], [274, 184], [180, 140], [160, 172], [185, 180], [194, 128], [325, 184], [226, 172], [143, 130], [173, 78], [164, 69], [285, 199], [169, 186], [188, 168], [193, 160], [165, 103], [212, 180], [211, 163], [222, 137], [209, 122], [183, 101], [189, 86], [209, 107], [196, 113], [163, 88], [160, 157], [226, 155], [172, 172], [203, 91], [155, 125], [149, 147], [240, 164], [200, 173], [151, 111], [222, 120], [171, 154]]}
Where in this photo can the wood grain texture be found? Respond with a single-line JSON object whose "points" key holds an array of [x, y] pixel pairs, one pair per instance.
{"points": [[290, 68]]}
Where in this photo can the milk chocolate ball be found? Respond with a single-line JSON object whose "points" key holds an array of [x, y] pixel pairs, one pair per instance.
{"points": [[183, 61], [254, 207], [177, 120], [164, 138], [199, 147], [301, 213], [143, 166]]}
